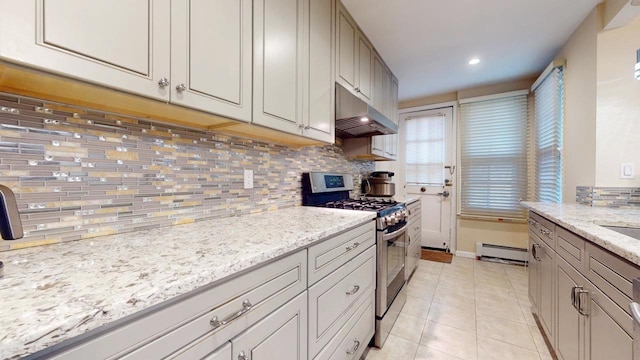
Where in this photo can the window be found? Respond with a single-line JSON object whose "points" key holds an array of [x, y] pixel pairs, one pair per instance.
{"points": [[493, 161], [549, 104], [425, 143]]}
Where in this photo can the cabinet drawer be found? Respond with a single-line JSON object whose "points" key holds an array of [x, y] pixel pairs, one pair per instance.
{"points": [[332, 253], [611, 274], [331, 299], [544, 228], [171, 327], [351, 341], [202, 350], [570, 247]]}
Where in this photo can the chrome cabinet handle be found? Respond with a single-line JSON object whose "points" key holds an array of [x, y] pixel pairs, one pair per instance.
{"points": [[574, 297], [181, 87], [635, 311], [351, 247], [533, 222], [534, 251], [354, 290], [164, 82], [246, 306], [356, 89], [242, 356], [356, 345], [581, 310], [545, 231]]}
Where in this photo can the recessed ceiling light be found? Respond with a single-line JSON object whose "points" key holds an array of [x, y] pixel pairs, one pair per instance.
{"points": [[364, 119], [474, 61]]}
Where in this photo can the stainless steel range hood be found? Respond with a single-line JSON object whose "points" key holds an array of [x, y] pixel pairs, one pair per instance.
{"points": [[355, 118]]}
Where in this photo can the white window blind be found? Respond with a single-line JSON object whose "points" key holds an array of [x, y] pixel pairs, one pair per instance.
{"points": [[425, 149], [493, 162], [549, 104]]}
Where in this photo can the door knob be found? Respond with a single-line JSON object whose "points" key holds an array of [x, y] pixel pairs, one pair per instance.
{"points": [[423, 189], [444, 194]]}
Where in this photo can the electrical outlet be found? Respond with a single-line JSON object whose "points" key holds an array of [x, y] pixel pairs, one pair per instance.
{"points": [[248, 179]]}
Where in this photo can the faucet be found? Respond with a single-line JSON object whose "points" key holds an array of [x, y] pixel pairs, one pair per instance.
{"points": [[10, 224]]}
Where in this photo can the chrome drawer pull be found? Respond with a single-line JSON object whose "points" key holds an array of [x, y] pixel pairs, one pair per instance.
{"points": [[242, 356], [354, 290], [356, 345], [246, 306], [581, 310], [574, 296], [355, 245]]}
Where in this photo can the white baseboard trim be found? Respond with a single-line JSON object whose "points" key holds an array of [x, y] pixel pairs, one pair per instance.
{"points": [[466, 254]]}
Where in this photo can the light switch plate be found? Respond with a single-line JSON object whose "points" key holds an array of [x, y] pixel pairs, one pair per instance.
{"points": [[627, 171], [248, 179]]}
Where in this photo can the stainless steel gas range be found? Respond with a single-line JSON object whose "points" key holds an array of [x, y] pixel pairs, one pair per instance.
{"points": [[332, 190]]}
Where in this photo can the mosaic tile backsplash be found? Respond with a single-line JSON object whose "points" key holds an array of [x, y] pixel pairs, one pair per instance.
{"points": [[614, 197], [79, 173]]}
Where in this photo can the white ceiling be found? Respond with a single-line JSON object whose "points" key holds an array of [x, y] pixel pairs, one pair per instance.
{"points": [[428, 43]]}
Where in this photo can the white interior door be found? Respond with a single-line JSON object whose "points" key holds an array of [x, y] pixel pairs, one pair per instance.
{"points": [[429, 169]]}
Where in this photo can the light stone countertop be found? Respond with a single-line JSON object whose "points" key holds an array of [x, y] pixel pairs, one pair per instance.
{"points": [[585, 221], [53, 293]]}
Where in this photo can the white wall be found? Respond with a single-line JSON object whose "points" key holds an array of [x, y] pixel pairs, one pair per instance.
{"points": [[618, 105], [579, 153]]}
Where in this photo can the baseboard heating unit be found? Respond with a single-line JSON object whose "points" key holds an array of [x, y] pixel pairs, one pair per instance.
{"points": [[499, 253]]}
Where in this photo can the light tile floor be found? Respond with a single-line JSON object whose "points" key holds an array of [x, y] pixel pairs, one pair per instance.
{"points": [[465, 310]]}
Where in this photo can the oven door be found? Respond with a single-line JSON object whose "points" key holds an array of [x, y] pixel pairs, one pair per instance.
{"points": [[391, 267]]}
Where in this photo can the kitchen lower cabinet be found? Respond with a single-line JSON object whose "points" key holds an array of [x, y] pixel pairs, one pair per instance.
{"points": [[280, 335], [277, 336], [542, 281], [590, 325], [342, 281], [414, 248], [585, 313]]}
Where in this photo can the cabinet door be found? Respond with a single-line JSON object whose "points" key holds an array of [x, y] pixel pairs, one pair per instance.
{"points": [[606, 337], [546, 287], [211, 56], [377, 145], [394, 99], [278, 58], [364, 68], [386, 91], [123, 44], [570, 329], [534, 282], [319, 89], [378, 90], [391, 146], [346, 37], [281, 335]]}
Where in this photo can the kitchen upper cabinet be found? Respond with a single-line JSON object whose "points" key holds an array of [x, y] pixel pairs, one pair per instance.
{"points": [[211, 56], [278, 58], [354, 56], [319, 96], [378, 90], [125, 45], [394, 99], [292, 90], [365, 56]]}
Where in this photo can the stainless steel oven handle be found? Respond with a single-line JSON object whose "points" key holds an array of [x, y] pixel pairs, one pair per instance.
{"points": [[388, 236]]}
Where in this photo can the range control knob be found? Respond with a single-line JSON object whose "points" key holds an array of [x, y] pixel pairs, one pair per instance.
{"points": [[387, 221]]}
